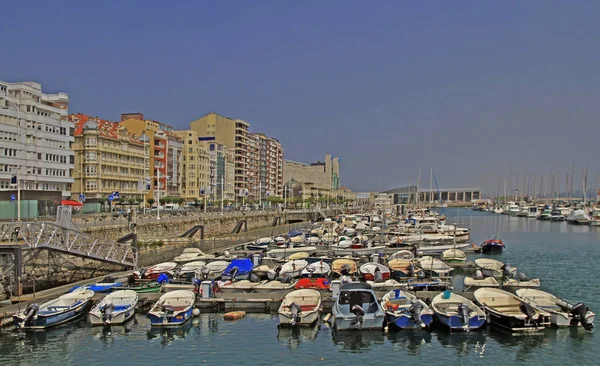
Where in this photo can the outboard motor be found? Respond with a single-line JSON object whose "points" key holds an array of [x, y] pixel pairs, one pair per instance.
{"points": [[254, 277], [234, 272], [478, 275], [310, 270], [107, 311], [528, 310], [506, 271], [131, 280], [142, 272], [359, 312], [579, 312], [205, 272], [30, 312], [378, 276], [463, 310], [523, 277], [411, 270], [295, 310], [416, 308], [287, 278]]}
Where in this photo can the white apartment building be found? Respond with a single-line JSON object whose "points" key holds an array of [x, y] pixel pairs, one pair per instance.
{"points": [[35, 141]]}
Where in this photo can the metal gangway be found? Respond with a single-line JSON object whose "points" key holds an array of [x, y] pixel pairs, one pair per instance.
{"points": [[64, 236]]}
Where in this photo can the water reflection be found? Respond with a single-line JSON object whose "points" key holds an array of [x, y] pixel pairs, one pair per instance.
{"points": [[169, 334], [107, 333], [357, 340], [523, 344], [294, 336], [465, 343], [409, 340]]}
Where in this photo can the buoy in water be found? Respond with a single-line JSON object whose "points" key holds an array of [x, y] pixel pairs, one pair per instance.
{"points": [[196, 312], [234, 315]]}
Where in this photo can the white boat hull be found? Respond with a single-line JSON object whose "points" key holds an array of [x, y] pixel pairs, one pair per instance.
{"points": [[305, 318]]}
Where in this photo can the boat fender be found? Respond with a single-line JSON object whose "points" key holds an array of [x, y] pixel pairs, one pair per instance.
{"points": [[196, 312], [479, 275]]}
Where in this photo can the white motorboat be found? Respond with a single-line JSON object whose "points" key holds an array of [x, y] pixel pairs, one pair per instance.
{"points": [[475, 283], [511, 312], [275, 286], [214, 270], [285, 252], [578, 217], [403, 310], [291, 268], [557, 215], [513, 284], [374, 272], [387, 285], [457, 312], [153, 272], [316, 269], [402, 254], [115, 308], [300, 307], [239, 286], [190, 269], [54, 312], [357, 252], [455, 256], [436, 249], [595, 217], [512, 209], [356, 307], [192, 254], [435, 266], [344, 266], [493, 268], [562, 312], [172, 309]]}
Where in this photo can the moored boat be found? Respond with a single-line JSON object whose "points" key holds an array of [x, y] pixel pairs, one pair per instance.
{"points": [[153, 272], [172, 309], [434, 266], [115, 308], [493, 268], [471, 283], [492, 245], [344, 267], [457, 312], [562, 312], [54, 312], [300, 307], [401, 268], [374, 272], [238, 269], [239, 286], [454, 256], [316, 269], [144, 288], [403, 310], [275, 286], [356, 307], [510, 312]]}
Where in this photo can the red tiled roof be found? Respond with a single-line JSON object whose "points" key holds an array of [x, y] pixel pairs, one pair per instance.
{"points": [[105, 128]]}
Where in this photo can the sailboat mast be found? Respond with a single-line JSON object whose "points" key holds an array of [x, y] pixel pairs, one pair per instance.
{"points": [[418, 187], [533, 187], [431, 187]]}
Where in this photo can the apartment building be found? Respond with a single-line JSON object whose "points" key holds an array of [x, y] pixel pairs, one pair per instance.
{"points": [[108, 158], [318, 179], [222, 171], [270, 166], [195, 174], [36, 138], [161, 153], [232, 134], [253, 168]]}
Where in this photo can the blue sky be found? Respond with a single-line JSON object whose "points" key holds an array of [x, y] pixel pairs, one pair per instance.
{"points": [[476, 89]]}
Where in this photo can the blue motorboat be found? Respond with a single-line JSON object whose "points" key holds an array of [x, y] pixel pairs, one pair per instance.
{"points": [[457, 312], [99, 287], [403, 310], [356, 307], [172, 309], [58, 311], [238, 269]]}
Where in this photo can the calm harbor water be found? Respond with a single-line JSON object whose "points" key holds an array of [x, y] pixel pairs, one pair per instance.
{"points": [[563, 256]]}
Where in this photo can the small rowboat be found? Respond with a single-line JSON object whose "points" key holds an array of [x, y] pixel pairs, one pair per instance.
{"points": [[374, 272], [115, 308], [173, 308], [300, 307]]}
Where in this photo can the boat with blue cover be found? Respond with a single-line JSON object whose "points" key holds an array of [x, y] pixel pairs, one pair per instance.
{"points": [[172, 309], [238, 269], [115, 308], [100, 287], [58, 311], [457, 312], [356, 307], [403, 310]]}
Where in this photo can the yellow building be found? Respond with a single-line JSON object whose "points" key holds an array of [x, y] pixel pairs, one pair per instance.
{"points": [[107, 159], [195, 174], [163, 154], [233, 134]]}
